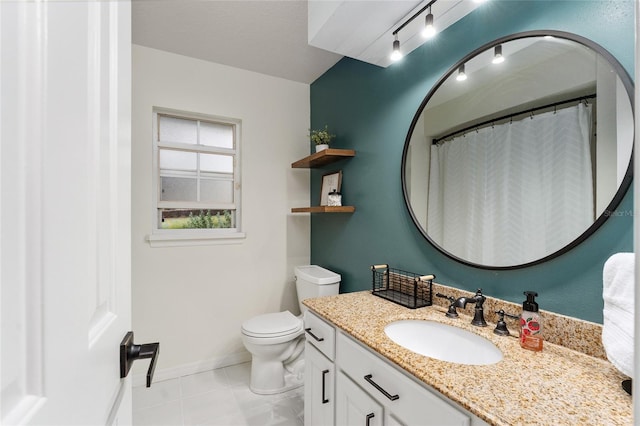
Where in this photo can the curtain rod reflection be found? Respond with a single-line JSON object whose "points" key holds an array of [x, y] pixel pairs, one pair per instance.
{"points": [[477, 126]]}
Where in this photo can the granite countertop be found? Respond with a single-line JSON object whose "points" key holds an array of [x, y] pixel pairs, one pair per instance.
{"points": [[558, 386]]}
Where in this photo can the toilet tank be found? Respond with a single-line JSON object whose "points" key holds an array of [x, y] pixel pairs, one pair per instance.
{"points": [[315, 281]]}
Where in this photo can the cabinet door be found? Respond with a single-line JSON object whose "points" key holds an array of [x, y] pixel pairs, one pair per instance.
{"points": [[410, 403], [354, 406], [319, 401]]}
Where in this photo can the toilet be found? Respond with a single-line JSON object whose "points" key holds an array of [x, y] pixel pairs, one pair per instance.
{"points": [[276, 340]]}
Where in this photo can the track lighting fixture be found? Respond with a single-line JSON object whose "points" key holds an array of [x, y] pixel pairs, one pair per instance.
{"points": [[497, 55], [461, 74], [429, 30], [396, 55]]}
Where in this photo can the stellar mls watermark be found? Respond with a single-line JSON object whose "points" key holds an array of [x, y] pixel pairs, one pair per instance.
{"points": [[619, 213]]}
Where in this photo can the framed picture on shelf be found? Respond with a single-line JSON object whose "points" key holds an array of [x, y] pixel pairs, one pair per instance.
{"points": [[330, 182]]}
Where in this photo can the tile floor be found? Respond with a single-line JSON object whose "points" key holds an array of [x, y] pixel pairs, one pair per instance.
{"points": [[216, 397]]}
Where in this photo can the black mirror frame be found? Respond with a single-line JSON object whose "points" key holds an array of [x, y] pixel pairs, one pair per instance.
{"points": [[624, 185]]}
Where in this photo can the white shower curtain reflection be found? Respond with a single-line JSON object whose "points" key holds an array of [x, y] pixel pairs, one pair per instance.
{"points": [[512, 193]]}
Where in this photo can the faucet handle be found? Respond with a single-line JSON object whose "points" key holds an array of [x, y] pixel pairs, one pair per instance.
{"points": [[451, 312], [501, 326], [444, 296]]}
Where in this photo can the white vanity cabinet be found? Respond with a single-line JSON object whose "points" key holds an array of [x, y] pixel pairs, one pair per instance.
{"points": [[368, 389], [319, 372], [404, 401]]}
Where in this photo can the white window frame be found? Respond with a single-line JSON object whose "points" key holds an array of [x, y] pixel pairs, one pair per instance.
{"points": [[183, 237]]}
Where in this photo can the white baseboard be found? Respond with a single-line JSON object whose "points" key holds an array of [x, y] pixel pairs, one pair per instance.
{"points": [[193, 368]]}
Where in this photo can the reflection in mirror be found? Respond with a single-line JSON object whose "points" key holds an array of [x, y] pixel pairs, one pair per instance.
{"points": [[523, 159]]}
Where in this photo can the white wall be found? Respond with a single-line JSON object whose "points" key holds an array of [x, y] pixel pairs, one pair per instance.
{"points": [[193, 300]]}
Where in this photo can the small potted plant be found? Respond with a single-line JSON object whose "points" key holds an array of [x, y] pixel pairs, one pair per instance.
{"points": [[321, 138]]}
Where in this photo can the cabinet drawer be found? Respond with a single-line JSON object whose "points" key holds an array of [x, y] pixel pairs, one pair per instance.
{"points": [[410, 402], [320, 334]]}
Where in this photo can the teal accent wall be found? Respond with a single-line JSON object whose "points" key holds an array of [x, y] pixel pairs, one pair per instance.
{"points": [[371, 108]]}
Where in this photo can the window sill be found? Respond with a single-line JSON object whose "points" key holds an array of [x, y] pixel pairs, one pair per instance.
{"points": [[181, 239]]}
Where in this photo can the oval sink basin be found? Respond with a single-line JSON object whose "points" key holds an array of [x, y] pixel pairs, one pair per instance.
{"points": [[443, 342]]}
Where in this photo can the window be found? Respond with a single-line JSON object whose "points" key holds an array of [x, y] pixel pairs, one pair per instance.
{"points": [[196, 177]]}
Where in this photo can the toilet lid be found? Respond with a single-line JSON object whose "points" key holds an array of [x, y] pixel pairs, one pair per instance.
{"points": [[272, 325]]}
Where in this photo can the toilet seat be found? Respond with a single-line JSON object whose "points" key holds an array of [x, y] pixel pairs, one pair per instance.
{"points": [[273, 325]]}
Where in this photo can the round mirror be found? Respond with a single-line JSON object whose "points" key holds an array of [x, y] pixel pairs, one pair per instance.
{"points": [[521, 151]]}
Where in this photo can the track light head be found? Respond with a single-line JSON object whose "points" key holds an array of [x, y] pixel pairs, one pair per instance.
{"points": [[497, 55], [396, 55], [429, 30], [461, 74]]}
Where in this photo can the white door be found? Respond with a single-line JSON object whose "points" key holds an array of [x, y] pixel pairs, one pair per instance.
{"points": [[65, 75]]}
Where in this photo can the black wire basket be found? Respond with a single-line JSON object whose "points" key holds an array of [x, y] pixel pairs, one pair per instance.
{"points": [[402, 287]]}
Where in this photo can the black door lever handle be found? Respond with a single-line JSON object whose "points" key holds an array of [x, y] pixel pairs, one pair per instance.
{"points": [[130, 352]]}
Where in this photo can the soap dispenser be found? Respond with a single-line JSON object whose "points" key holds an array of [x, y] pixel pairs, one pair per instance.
{"points": [[530, 323]]}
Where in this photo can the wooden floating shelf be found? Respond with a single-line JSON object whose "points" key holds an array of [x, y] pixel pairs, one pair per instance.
{"points": [[323, 157], [324, 209]]}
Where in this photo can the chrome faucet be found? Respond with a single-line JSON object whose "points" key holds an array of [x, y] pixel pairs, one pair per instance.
{"points": [[478, 300]]}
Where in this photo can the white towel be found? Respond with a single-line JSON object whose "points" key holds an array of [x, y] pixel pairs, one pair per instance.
{"points": [[618, 280]]}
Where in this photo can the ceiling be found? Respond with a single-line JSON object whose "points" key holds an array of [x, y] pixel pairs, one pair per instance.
{"points": [[269, 37], [363, 29], [291, 39]]}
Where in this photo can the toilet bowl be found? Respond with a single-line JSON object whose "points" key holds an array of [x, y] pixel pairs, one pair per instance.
{"points": [[276, 340]]}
